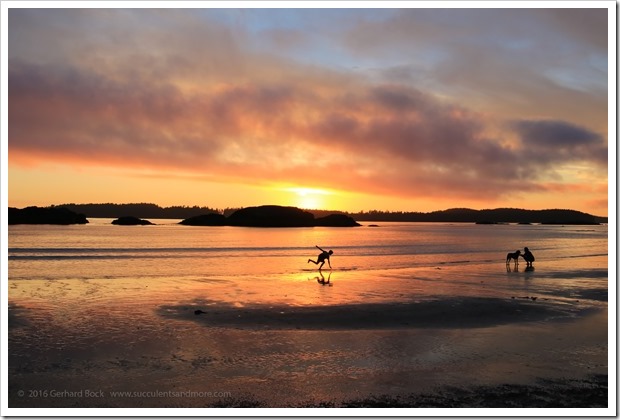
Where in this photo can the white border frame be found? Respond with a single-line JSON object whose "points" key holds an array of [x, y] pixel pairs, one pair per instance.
{"points": [[225, 412]]}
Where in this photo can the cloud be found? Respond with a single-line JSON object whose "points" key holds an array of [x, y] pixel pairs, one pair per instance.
{"points": [[389, 139], [552, 140], [556, 134], [199, 97], [500, 60]]}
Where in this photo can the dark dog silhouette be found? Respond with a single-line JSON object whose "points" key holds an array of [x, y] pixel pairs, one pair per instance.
{"points": [[513, 256]]}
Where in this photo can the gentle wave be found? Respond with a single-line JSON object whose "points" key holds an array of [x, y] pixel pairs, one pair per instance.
{"points": [[178, 252], [144, 250], [366, 250], [185, 253]]}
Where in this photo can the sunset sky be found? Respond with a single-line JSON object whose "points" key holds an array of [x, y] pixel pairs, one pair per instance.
{"points": [[349, 109]]}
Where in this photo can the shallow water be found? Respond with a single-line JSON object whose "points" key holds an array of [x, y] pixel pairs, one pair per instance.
{"points": [[168, 262], [114, 306], [103, 251]]}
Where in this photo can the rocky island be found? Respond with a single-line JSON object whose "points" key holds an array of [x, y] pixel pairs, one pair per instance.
{"points": [[336, 220], [131, 221], [44, 216], [271, 216], [210, 219]]}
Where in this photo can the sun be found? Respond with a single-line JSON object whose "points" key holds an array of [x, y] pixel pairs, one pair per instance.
{"points": [[309, 203], [309, 198]]}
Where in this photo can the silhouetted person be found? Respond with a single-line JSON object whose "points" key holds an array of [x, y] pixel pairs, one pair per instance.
{"points": [[324, 255], [528, 257]]}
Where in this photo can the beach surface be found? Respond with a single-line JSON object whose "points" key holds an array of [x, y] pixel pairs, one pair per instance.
{"points": [[483, 338]]}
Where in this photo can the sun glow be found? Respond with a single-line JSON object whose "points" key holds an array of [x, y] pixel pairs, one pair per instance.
{"points": [[309, 198]]}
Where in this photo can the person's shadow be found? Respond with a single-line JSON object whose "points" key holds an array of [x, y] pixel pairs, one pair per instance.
{"points": [[321, 280]]}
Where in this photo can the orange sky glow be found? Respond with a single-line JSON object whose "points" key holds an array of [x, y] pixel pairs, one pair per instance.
{"points": [[340, 109]]}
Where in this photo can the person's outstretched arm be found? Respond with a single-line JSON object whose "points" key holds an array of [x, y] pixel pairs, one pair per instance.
{"points": [[330, 263], [320, 248]]}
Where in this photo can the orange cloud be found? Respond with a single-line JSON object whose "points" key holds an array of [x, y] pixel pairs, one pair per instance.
{"points": [[386, 139], [599, 188], [188, 95]]}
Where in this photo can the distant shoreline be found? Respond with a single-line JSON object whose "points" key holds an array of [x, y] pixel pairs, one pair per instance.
{"points": [[456, 215]]}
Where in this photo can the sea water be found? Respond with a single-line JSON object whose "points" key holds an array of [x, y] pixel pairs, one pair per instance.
{"points": [[172, 252]]}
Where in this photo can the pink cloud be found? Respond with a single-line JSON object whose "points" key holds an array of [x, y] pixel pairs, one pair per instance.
{"points": [[386, 139]]}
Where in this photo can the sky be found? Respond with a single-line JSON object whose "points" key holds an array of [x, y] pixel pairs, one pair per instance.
{"points": [[411, 109]]}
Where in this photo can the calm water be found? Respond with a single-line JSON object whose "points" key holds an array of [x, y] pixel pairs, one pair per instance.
{"points": [[255, 259], [101, 250]]}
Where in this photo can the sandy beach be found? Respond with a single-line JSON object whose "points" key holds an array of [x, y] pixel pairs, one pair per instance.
{"points": [[201, 343]]}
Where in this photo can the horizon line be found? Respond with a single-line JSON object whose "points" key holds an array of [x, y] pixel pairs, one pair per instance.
{"points": [[322, 210]]}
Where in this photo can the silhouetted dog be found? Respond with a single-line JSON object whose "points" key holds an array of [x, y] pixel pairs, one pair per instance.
{"points": [[513, 256]]}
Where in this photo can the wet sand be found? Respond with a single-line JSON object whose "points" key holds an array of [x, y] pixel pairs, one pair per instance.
{"points": [[97, 343], [445, 313]]}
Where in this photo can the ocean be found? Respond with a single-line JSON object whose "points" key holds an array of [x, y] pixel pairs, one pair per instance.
{"points": [[98, 249], [172, 252], [406, 306]]}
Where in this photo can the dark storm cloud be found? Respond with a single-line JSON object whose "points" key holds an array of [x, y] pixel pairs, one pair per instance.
{"points": [[552, 140]]}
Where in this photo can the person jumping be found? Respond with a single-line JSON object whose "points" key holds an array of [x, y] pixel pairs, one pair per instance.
{"points": [[324, 255]]}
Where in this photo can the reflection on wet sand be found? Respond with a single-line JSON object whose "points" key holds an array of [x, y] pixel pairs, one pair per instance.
{"points": [[320, 279], [293, 340]]}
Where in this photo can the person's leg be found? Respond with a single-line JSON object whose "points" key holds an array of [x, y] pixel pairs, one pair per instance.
{"points": [[315, 263], [321, 266]]}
